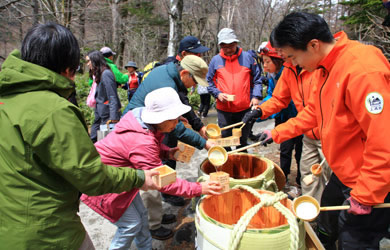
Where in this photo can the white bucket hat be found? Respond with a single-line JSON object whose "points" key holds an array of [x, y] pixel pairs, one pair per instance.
{"points": [[161, 105], [227, 36]]}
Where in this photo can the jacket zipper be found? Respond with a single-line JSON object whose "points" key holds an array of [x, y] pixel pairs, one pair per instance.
{"points": [[322, 87]]}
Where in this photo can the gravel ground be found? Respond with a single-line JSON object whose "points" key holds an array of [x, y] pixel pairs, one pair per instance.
{"points": [[102, 231]]}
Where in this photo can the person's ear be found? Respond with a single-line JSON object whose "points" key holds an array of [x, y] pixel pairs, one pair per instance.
{"points": [[68, 73], [313, 45], [183, 72]]}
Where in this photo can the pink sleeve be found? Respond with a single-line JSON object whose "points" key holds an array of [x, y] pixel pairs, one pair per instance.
{"points": [[183, 188], [164, 151]]}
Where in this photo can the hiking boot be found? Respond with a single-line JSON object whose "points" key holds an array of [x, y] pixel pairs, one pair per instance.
{"points": [[174, 200], [168, 219], [161, 233]]}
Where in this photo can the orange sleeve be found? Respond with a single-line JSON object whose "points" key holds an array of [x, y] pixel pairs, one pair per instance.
{"points": [[373, 182], [280, 99], [303, 122]]}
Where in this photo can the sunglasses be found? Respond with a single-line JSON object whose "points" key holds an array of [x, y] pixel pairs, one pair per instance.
{"points": [[264, 50]]}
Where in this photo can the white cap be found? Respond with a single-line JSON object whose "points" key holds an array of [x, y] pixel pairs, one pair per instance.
{"points": [[106, 50], [227, 36], [161, 105], [262, 46]]}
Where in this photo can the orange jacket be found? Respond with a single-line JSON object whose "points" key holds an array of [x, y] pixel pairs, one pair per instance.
{"points": [[291, 85], [349, 107]]}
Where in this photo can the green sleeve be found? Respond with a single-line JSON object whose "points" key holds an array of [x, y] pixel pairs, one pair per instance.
{"points": [[90, 81], [119, 76], [63, 144]]}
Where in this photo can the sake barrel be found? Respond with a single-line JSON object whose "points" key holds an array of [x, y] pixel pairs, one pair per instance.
{"points": [[248, 169], [268, 229]]}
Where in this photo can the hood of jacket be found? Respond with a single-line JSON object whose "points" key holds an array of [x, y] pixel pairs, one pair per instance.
{"points": [[18, 76]]}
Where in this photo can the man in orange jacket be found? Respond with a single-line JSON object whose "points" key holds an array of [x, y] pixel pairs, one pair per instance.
{"points": [[348, 106], [295, 84]]}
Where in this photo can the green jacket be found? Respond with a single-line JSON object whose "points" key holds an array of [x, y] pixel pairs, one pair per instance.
{"points": [[119, 76], [46, 160]]}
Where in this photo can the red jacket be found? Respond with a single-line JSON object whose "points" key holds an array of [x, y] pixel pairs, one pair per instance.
{"points": [[131, 145], [234, 75], [291, 85], [351, 108]]}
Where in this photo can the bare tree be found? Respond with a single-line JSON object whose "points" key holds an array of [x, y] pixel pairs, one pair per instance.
{"points": [[175, 26]]}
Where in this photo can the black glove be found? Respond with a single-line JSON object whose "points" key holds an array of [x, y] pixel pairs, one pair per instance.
{"points": [[266, 138], [252, 115]]}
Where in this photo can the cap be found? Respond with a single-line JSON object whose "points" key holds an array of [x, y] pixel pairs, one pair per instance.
{"points": [[270, 51], [197, 67], [106, 50], [131, 64], [227, 36], [161, 105], [192, 44]]}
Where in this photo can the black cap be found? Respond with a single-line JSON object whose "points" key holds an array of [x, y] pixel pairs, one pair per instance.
{"points": [[192, 44]]}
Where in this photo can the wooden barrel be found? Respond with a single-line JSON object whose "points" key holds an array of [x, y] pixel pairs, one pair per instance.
{"points": [[248, 169], [268, 229]]}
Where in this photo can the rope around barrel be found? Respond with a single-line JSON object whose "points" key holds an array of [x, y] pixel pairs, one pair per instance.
{"points": [[265, 200]]}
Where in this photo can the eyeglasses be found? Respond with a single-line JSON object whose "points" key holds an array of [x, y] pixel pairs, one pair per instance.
{"points": [[193, 78]]}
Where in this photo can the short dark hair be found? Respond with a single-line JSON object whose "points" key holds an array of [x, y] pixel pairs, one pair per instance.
{"points": [[51, 46], [108, 54], [98, 63], [298, 29]]}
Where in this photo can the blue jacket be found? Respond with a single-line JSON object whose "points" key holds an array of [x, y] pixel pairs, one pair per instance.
{"points": [[286, 113], [168, 76]]}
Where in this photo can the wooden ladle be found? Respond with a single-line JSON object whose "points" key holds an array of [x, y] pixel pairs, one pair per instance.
{"points": [[307, 208]]}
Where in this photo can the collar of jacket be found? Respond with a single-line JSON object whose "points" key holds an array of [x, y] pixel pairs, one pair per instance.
{"points": [[108, 60], [233, 57], [329, 60], [173, 72], [277, 76], [294, 68], [19, 76]]}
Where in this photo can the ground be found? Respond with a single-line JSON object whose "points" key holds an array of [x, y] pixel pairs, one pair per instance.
{"points": [[102, 231]]}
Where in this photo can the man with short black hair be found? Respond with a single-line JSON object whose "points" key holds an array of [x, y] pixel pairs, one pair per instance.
{"points": [[47, 159], [351, 92]]}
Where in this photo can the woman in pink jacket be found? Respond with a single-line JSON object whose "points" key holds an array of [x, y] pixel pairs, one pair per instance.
{"points": [[136, 142]]}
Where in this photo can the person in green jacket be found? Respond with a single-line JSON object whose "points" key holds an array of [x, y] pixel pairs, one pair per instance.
{"points": [[108, 54], [47, 159]]}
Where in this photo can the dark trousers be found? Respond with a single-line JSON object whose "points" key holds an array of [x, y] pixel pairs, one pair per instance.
{"points": [[286, 150], [130, 94], [228, 118], [94, 128], [171, 141], [204, 104], [352, 231]]}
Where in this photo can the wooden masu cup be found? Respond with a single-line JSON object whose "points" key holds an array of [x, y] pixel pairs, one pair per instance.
{"points": [[222, 178]]}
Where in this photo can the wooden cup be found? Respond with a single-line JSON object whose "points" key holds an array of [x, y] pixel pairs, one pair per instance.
{"points": [[222, 178], [167, 176]]}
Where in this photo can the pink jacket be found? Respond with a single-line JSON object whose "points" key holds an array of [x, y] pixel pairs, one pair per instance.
{"points": [[131, 144]]}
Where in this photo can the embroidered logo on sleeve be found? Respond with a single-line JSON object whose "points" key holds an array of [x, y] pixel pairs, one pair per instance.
{"points": [[374, 103]]}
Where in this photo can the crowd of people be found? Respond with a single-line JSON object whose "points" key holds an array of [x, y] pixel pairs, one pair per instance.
{"points": [[327, 94]]}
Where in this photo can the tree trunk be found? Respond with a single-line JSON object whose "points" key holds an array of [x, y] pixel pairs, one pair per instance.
{"points": [[116, 26], [35, 12], [175, 26]]}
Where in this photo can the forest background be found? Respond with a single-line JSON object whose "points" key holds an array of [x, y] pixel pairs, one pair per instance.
{"points": [[144, 31]]}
